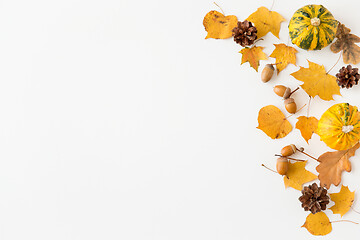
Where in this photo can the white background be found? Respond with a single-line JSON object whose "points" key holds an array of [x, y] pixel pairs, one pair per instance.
{"points": [[120, 121]]}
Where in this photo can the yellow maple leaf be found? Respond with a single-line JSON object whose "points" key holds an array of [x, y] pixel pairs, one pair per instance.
{"points": [[318, 224], [307, 126], [266, 21], [273, 122], [317, 81], [283, 55], [219, 26], [297, 175], [253, 56], [343, 201]]}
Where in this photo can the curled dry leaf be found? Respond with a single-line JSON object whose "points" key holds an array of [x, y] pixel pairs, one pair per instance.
{"points": [[343, 201], [283, 55], [332, 164], [317, 81], [307, 126], [346, 42], [318, 224], [297, 175], [266, 21], [273, 122], [219, 26], [253, 55]]}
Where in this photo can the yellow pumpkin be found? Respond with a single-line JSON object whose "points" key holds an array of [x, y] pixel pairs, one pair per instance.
{"points": [[339, 126]]}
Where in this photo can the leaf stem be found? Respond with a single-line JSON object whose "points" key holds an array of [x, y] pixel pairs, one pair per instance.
{"points": [[355, 210], [344, 221], [335, 63], [219, 7]]}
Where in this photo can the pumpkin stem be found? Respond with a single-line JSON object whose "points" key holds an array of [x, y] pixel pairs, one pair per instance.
{"points": [[347, 128], [315, 21]]}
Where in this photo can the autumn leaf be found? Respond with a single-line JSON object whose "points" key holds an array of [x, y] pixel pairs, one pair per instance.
{"points": [[283, 55], [273, 122], [219, 26], [318, 224], [253, 56], [297, 175], [332, 164], [343, 201], [266, 21], [346, 42], [317, 81], [307, 126]]}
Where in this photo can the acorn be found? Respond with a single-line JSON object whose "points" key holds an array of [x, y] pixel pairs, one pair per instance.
{"points": [[282, 165], [288, 150], [282, 91], [290, 105], [267, 73]]}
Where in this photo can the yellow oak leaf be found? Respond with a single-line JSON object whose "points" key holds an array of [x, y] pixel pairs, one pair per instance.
{"points": [[219, 26], [273, 122], [297, 175], [253, 56], [332, 164], [343, 201], [318, 224], [283, 55], [266, 21], [307, 126], [317, 81]]}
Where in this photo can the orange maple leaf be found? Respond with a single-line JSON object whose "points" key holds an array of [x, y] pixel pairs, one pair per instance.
{"points": [[343, 201], [332, 164], [317, 81], [284, 55], [266, 21], [307, 126], [253, 56]]}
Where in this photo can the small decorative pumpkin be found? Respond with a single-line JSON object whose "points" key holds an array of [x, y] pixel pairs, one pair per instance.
{"points": [[339, 126], [312, 27]]}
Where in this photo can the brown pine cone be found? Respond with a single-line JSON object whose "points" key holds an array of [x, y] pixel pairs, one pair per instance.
{"points": [[245, 33], [347, 77], [314, 198]]}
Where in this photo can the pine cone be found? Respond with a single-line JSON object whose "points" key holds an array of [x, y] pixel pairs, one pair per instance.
{"points": [[347, 77], [245, 33], [314, 198]]}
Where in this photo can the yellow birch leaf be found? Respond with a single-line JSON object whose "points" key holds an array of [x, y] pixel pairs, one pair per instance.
{"points": [[318, 224], [219, 26], [253, 56], [317, 81], [283, 55], [266, 21], [343, 201], [273, 122], [297, 175], [307, 126]]}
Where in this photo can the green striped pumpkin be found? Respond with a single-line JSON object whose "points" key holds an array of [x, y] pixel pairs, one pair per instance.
{"points": [[312, 27]]}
